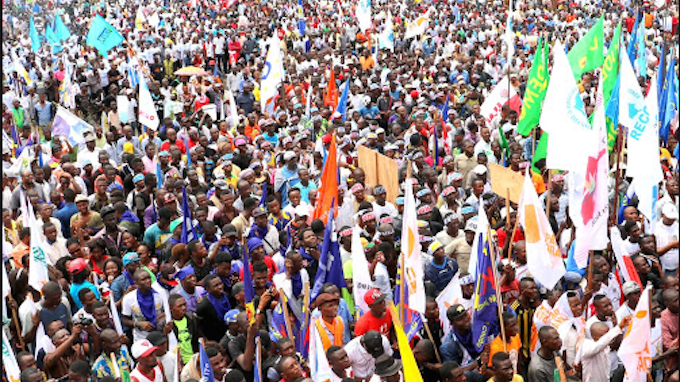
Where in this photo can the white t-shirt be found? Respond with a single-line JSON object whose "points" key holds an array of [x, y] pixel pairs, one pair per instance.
{"points": [[664, 235], [131, 308], [363, 363], [388, 208], [138, 376]]}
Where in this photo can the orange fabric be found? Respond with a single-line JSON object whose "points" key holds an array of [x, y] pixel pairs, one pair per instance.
{"points": [[367, 63], [336, 329], [18, 253], [538, 182], [498, 346], [331, 96], [329, 185]]}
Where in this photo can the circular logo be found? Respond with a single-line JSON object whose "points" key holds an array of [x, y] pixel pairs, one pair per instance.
{"points": [[267, 70]]}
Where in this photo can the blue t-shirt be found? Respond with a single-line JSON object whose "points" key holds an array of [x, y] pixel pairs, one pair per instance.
{"points": [[75, 288], [156, 236]]}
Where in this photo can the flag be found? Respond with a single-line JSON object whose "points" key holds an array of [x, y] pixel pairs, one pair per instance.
{"points": [[536, 86], [50, 36], [233, 111], [594, 211], [186, 144], [445, 120], [61, 32], [409, 366], [501, 94], [67, 91], [330, 263], [263, 198], [272, 75], [20, 69], [632, 44], [159, 176], [588, 53], [363, 15], [635, 349], [308, 104], [318, 363], [661, 76], [328, 192], [342, 104], [38, 274], [509, 36], [248, 288], [6, 288], [103, 36], [301, 19], [623, 260], [68, 125], [562, 319], [410, 249], [9, 361], [485, 308], [206, 368], [148, 116], [331, 96], [641, 49], [612, 114], [610, 68], [386, 38], [481, 225], [187, 221], [418, 26], [543, 253], [361, 278], [669, 101], [35, 38], [564, 118], [449, 296]]}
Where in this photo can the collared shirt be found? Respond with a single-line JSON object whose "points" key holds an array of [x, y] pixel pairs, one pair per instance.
{"points": [[363, 364], [192, 299]]}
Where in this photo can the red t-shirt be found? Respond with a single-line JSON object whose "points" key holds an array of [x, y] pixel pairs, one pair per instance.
{"points": [[502, 235], [271, 268], [165, 146], [369, 322], [510, 292]]}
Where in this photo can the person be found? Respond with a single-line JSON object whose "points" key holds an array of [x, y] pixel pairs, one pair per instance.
{"points": [[511, 342], [330, 326], [458, 344], [595, 357], [542, 366], [166, 360], [442, 268], [340, 363], [184, 326], [364, 350], [188, 289], [378, 318], [451, 372], [148, 368], [110, 345], [142, 308], [387, 368], [211, 309]]}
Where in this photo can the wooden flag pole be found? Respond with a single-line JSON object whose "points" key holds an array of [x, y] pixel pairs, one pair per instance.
{"points": [[560, 368], [284, 306], [547, 199], [15, 320], [429, 334], [617, 179]]}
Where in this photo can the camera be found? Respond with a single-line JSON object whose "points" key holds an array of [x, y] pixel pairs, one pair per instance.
{"points": [[82, 320]]}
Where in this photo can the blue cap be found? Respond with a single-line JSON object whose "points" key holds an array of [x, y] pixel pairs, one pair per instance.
{"points": [[130, 257], [164, 153], [184, 272], [230, 316], [138, 178], [400, 201]]}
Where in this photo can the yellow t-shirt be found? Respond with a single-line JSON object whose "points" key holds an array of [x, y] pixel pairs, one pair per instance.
{"points": [[516, 378], [513, 346]]}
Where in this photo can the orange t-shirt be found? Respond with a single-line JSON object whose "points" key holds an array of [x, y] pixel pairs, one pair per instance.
{"points": [[513, 346]]}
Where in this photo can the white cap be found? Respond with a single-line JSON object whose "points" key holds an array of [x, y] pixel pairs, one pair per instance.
{"points": [[670, 211]]}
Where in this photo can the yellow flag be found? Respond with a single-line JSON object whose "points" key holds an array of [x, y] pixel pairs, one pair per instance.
{"points": [[409, 365]]}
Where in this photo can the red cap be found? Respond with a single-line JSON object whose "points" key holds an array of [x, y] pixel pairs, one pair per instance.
{"points": [[374, 296], [78, 265], [327, 139]]}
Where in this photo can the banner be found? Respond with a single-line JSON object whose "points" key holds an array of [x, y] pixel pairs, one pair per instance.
{"points": [[418, 26], [635, 349], [506, 182], [501, 94], [318, 363], [363, 15], [588, 53], [536, 86], [380, 169], [328, 190], [485, 306], [103, 36], [67, 124], [450, 296], [35, 38], [330, 262], [361, 278], [38, 274], [9, 361], [148, 116], [410, 369]]}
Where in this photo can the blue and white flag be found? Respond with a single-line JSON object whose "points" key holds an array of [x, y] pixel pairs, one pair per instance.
{"points": [[67, 124], [103, 36]]}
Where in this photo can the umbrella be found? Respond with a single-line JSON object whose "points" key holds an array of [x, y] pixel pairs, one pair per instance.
{"points": [[191, 71]]}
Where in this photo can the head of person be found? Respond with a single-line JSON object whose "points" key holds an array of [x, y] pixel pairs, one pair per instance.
{"points": [[452, 372], [459, 318], [372, 341], [502, 367], [289, 368], [375, 300]]}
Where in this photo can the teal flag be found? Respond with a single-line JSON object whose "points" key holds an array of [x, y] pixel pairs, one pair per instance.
{"points": [[61, 32], [103, 36], [35, 37]]}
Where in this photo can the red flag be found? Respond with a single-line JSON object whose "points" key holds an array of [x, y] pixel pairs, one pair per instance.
{"points": [[331, 96], [329, 184]]}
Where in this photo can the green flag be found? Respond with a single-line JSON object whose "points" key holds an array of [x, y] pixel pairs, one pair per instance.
{"points": [[541, 151], [588, 52], [610, 69], [537, 85]]}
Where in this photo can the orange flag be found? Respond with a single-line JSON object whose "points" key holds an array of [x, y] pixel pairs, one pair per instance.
{"points": [[329, 184], [331, 96]]}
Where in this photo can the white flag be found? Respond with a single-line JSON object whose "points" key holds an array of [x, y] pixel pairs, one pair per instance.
{"points": [[564, 117], [543, 255], [410, 248], [148, 116], [451, 295], [318, 363], [498, 97], [363, 14], [635, 348], [418, 26], [594, 205], [509, 36], [361, 277], [272, 74], [233, 111], [386, 39], [38, 274], [9, 361]]}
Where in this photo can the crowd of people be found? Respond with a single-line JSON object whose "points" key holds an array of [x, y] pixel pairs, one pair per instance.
{"points": [[194, 249]]}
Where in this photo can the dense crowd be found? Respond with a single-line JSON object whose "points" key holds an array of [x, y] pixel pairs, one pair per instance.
{"points": [[199, 248]]}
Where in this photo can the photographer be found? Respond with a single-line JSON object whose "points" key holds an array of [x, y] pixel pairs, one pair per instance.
{"points": [[68, 349]]}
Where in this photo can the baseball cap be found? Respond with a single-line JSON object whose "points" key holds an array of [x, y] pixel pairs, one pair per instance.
{"points": [[471, 226], [130, 257], [669, 211], [82, 198], [301, 211], [456, 311], [373, 342], [230, 230], [230, 316], [157, 338], [143, 348], [78, 265], [170, 197], [259, 211], [90, 138], [138, 178], [630, 287], [374, 296]]}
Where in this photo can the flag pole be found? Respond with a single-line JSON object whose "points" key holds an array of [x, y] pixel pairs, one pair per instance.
{"points": [[497, 287], [619, 144], [547, 199], [284, 306], [426, 324], [15, 320]]}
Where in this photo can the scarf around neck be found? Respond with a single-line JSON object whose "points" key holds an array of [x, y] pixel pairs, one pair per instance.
{"points": [[147, 305]]}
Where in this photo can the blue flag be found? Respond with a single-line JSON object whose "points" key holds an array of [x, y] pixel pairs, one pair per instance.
{"points": [[330, 264], [248, 289], [660, 78], [206, 368], [612, 110], [103, 36], [302, 26], [668, 107], [159, 174], [445, 110], [61, 32], [186, 219], [342, 103], [411, 319], [35, 37], [186, 146], [633, 39], [485, 308], [263, 199]]}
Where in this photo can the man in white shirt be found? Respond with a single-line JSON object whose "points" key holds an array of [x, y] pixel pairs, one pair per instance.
{"points": [[90, 152], [362, 352], [54, 246], [142, 309], [666, 233]]}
